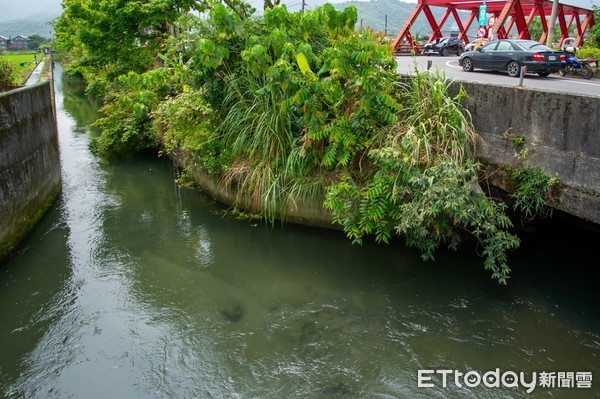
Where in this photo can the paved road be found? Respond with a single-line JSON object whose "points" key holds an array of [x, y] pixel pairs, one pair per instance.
{"points": [[449, 65]]}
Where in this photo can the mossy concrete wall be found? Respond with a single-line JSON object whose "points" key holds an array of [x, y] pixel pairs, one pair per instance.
{"points": [[30, 176], [560, 132]]}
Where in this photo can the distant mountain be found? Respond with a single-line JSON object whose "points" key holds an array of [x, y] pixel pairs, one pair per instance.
{"points": [[11, 10], [28, 17], [373, 14], [27, 27]]}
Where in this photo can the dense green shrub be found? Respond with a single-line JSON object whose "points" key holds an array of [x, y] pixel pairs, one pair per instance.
{"points": [[6, 76], [305, 94], [589, 52], [422, 184], [594, 37], [127, 122]]}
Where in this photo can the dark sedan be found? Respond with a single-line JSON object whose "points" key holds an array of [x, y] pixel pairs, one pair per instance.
{"points": [[444, 46], [511, 55]]}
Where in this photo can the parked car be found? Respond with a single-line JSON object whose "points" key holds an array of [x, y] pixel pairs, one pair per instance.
{"points": [[444, 46], [511, 55]]}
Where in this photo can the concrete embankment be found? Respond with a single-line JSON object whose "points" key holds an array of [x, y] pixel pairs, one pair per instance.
{"points": [[308, 213], [30, 175], [558, 132]]}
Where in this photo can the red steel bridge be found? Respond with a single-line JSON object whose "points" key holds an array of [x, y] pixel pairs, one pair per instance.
{"points": [[503, 16]]}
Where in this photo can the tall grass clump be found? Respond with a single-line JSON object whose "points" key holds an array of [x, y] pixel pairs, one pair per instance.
{"points": [[436, 122]]}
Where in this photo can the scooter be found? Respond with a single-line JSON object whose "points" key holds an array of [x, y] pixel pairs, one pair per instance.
{"points": [[573, 65]]}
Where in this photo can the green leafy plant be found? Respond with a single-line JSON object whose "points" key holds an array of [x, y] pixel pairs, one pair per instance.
{"points": [[531, 191], [185, 179], [187, 120], [589, 51], [240, 214], [306, 94], [126, 125], [423, 183], [594, 37], [518, 141]]}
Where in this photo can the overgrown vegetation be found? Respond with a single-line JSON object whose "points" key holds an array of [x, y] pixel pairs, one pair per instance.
{"points": [[422, 184], [127, 122], [289, 107]]}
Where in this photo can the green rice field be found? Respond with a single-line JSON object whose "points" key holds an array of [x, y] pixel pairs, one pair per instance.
{"points": [[22, 63]]}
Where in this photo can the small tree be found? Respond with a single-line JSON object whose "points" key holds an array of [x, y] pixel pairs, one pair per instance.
{"points": [[35, 41]]}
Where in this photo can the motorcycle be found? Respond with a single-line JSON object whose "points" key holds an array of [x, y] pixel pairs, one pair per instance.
{"points": [[573, 65]]}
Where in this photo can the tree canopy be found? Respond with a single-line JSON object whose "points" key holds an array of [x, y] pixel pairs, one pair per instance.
{"points": [[118, 36]]}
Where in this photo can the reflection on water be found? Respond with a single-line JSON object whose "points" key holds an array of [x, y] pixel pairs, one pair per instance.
{"points": [[134, 288], [82, 109]]}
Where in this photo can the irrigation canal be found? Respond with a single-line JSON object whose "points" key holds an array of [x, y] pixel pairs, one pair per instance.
{"points": [[132, 287]]}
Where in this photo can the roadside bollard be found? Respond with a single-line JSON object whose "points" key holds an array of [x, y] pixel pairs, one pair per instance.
{"points": [[522, 75], [429, 63]]}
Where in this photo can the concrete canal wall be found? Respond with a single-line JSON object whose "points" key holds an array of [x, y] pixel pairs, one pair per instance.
{"points": [[308, 213], [560, 133], [30, 176]]}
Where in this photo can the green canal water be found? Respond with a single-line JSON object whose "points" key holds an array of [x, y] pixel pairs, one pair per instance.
{"points": [[132, 287]]}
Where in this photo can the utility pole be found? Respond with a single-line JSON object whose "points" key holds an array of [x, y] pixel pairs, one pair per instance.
{"points": [[385, 31], [303, 5], [550, 36]]}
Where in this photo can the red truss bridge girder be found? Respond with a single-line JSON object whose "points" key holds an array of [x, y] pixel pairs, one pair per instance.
{"points": [[507, 13]]}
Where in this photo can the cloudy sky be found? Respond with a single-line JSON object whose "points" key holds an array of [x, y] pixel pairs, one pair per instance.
{"points": [[15, 9]]}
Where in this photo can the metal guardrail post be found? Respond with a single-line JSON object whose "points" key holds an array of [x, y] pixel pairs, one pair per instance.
{"points": [[522, 75]]}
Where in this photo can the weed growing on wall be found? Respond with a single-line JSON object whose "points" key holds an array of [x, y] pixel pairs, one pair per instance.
{"points": [[531, 191]]}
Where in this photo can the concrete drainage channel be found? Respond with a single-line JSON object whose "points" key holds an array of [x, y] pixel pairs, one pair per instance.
{"points": [[35, 74]]}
